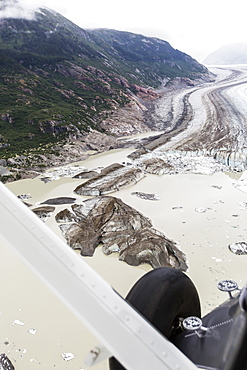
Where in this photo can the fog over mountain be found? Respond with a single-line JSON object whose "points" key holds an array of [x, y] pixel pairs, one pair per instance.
{"points": [[14, 9], [228, 54], [24, 9]]}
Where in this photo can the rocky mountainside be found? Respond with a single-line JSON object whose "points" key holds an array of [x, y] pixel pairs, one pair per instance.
{"points": [[228, 54], [61, 84]]}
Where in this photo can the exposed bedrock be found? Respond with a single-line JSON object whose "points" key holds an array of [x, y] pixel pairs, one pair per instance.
{"points": [[111, 179], [120, 228]]}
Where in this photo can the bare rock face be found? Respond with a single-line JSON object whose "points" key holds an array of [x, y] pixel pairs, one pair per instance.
{"points": [[120, 228], [111, 179], [100, 142], [146, 93], [127, 120]]}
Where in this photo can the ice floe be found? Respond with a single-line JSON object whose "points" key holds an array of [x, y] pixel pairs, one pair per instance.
{"points": [[17, 322], [32, 331], [200, 209], [239, 248], [67, 356]]}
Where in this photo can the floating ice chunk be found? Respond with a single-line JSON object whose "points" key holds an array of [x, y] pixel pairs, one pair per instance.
{"points": [[200, 210], [24, 350], [17, 322], [114, 248], [217, 259], [32, 331], [239, 248], [67, 356]]}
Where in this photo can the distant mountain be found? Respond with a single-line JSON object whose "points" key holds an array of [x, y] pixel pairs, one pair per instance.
{"points": [[228, 54], [57, 80]]}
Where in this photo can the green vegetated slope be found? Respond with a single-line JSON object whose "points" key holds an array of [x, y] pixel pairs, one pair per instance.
{"points": [[150, 58], [56, 78]]}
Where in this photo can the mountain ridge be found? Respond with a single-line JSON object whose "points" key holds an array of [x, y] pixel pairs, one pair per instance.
{"points": [[235, 53]]}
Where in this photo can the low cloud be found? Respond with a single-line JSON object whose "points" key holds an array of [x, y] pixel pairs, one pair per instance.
{"points": [[19, 8]]}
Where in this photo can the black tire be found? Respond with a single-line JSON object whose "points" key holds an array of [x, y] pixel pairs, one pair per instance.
{"points": [[162, 296]]}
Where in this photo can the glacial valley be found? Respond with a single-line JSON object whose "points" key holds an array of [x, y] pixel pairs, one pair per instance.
{"points": [[206, 120]]}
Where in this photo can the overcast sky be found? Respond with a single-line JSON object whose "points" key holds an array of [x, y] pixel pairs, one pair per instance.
{"points": [[192, 26]]}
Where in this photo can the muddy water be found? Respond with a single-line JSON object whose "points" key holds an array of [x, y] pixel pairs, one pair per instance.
{"points": [[202, 213]]}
